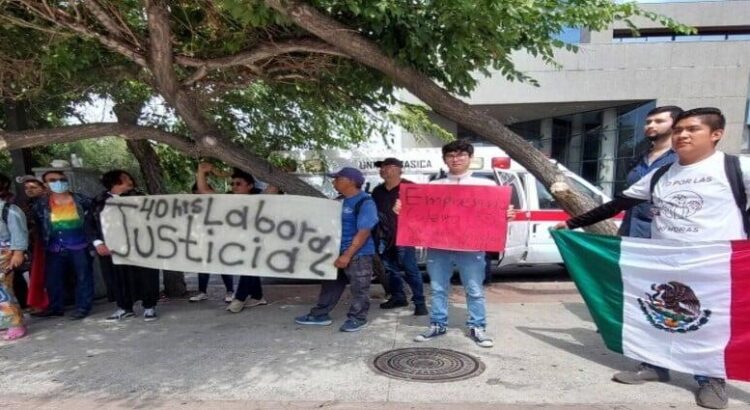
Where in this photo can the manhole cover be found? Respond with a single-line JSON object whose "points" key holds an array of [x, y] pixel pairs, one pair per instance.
{"points": [[426, 364]]}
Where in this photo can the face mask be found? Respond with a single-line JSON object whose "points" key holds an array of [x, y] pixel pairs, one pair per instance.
{"points": [[59, 187]]}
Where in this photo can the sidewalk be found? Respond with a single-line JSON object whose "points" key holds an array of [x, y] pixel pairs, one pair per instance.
{"points": [[546, 354]]}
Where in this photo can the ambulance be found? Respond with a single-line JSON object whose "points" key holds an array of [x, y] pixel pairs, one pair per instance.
{"points": [[529, 241]]}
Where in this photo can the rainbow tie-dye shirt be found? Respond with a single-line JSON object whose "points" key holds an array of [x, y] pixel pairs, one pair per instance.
{"points": [[67, 226]]}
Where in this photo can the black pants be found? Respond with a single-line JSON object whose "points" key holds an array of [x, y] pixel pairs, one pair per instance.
{"points": [[133, 283], [203, 282], [249, 285], [20, 289], [107, 268]]}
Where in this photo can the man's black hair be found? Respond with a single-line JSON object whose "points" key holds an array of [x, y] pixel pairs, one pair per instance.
{"points": [[44, 175], [710, 116], [458, 146], [673, 110], [238, 173], [4, 183], [114, 177]]}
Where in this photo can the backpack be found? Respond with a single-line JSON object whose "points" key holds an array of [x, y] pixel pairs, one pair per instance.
{"points": [[734, 175], [378, 269]]}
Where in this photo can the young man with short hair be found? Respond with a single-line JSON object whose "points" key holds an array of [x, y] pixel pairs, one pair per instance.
{"points": [[67, 230], [658, 131], [396, 258], [692, 201], [470, 264], [358, 217]]}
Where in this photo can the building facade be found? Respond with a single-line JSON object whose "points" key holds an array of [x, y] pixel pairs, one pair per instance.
{"points": [[590, 113]]}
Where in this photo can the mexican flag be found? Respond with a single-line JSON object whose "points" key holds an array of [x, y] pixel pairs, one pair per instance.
{"points": [[682, 306]]}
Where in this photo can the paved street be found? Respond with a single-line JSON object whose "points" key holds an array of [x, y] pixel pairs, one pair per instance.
{"points": [[547, 354]]}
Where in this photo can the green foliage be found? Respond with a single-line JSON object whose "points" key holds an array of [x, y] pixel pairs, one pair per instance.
{"points": [[297, 100], [450, 39], [102, 154], [416, 120]]}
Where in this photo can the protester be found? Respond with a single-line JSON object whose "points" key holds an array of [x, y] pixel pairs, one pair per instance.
{"points": [[129, 283], [67, 229], [37, 294], [20, 287], [396, 258], [13, 244], [202, 187], [658, 131], [470, 264], [358, 217], [704, 176], [249, 291]]}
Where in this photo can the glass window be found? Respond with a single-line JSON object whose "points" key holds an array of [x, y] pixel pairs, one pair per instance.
{"points": [[570, 35], [547, 201]]}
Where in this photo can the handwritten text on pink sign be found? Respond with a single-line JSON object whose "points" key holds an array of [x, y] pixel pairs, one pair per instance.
{"points": [[453, 217]]}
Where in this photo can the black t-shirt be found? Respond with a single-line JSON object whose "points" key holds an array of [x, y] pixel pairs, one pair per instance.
{"points": [[385, 200]]}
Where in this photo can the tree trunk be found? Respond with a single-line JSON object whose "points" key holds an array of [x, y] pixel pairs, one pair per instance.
{"points": [[368, 53], [162, 66], [16, 120], [128, 113]]}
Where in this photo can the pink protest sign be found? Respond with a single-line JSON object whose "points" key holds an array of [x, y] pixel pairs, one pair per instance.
{"points": [[454, 217]]}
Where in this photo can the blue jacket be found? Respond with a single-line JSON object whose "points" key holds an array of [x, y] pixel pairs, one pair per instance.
{"points": [[637, 220], [42, 215], [15, 233]]}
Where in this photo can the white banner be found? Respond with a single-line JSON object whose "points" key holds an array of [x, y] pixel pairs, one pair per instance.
{"points": [[283, 236]]}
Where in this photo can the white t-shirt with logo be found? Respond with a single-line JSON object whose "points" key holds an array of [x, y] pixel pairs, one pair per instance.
{"points": [[694, 202]]}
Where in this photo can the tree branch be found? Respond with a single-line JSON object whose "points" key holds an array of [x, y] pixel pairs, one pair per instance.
{"points": [[104, 18], [37, 137], [204, 131], [60, 18], [261, 52]]}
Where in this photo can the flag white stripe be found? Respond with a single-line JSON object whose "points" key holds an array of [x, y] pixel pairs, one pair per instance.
{"points": [[705, 268]]}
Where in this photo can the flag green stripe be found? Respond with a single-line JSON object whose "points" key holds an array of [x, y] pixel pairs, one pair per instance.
{"points": [[593, 262]]}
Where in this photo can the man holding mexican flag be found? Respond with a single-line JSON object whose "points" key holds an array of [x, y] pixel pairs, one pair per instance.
{"points": [[681, 300]]}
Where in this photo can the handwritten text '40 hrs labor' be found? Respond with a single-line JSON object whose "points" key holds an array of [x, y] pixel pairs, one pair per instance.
{"points": [[264, 235]]}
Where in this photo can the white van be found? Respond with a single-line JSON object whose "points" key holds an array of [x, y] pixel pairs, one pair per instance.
{"points": [[529, 241]]}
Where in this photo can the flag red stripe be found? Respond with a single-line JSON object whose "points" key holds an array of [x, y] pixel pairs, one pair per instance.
{"points": [[737, 353]]}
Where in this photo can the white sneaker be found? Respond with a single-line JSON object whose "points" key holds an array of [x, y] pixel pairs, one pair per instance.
{"points": [[235, 306], [149, 315], [479, 336], [250, 302], [199, 297], [228, 297]]}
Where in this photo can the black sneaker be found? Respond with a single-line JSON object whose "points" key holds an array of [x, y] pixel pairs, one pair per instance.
{"points": [[120, 314], [420, 310], [392, 304], [78, 315], [434, 331], [47, 313]]}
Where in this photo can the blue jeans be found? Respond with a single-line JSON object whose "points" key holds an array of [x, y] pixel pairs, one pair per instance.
{"points": [[470, 266], [57, 264], [396, 259]]}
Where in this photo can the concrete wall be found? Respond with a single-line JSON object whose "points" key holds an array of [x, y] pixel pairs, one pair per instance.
{"points": [[688, 74]]}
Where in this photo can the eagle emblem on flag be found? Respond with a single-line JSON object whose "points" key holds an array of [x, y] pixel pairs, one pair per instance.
{"points": [[674, 307]]}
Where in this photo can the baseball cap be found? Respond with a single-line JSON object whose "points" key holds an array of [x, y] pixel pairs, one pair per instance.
{"points": [[389, 161], [27, 178], [351, 173]]}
